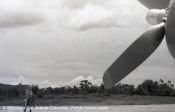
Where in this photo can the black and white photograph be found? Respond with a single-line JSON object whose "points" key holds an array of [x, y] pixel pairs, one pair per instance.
{"points": [[87, 55]]}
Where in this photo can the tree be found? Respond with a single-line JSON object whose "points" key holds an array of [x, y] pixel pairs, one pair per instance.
{"points": [[59, 90], [35, 89], [85, 86]]}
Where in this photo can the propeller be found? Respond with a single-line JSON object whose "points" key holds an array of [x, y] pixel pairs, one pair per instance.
{"points": [[170, 28], [142, 48]]}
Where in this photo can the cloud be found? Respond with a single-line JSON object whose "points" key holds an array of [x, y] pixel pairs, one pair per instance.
{"points": [[94, 81], [45, 83], [98, 14], [48, 83], [21, 80], [76, 14], [10, 19], [86, 18], [74, 4], [76, 81]]}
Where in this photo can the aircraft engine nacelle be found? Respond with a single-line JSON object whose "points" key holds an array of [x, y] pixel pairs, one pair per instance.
{"points": [[155, 16]]}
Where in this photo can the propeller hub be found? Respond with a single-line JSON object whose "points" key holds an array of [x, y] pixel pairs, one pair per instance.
{"points": [[156, 16]]}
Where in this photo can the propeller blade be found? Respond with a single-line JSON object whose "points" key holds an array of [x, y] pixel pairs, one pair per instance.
{"points": [[170, 28], [134, 55]]}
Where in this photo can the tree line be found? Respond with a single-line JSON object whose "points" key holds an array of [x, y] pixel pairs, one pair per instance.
{"points": [[147, 87]]}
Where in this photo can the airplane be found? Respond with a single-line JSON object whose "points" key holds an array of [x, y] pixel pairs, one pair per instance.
{"points": [[161, 16]]}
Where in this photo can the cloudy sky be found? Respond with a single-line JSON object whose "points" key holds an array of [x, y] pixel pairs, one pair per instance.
{"points": [[57, 42]]}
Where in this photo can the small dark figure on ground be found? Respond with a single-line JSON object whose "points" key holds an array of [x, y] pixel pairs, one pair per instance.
{"points": [[29, 101]]}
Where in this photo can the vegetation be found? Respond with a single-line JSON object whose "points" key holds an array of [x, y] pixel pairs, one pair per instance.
{"points": [[147, 88]]}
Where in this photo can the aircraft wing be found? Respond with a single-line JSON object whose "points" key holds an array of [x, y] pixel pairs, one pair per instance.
{"points": [[155, 4]]}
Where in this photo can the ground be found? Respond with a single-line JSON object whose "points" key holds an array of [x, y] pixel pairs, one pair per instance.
{"points": [[66, 100], [117, 108]]}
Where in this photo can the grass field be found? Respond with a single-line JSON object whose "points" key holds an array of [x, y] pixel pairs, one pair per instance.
{"points": [[63, 100]]}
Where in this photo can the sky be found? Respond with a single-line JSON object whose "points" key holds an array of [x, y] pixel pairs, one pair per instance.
{"points": [[60, 42]]}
